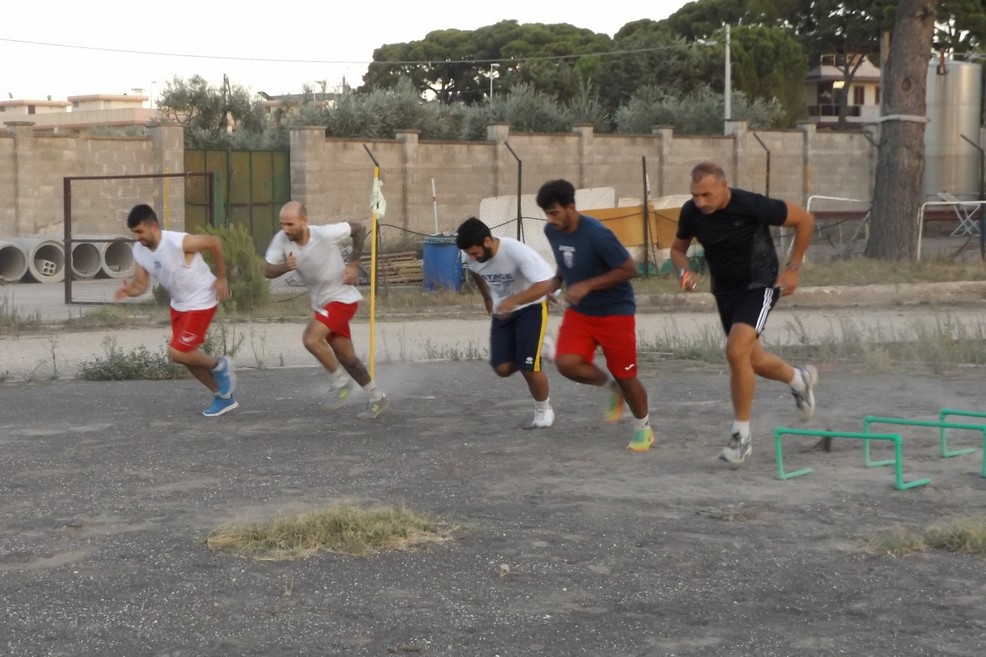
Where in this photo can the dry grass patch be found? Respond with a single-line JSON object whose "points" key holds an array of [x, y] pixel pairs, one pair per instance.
{"points": [[352, 530], [964, 536]]}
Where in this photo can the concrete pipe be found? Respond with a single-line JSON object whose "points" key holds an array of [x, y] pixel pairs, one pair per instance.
{"points": [[118, 259], [87, 260], [45, 260], [13, 262]]}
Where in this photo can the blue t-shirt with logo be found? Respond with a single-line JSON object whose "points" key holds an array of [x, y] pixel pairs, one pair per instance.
{"points": [[592, 250]]}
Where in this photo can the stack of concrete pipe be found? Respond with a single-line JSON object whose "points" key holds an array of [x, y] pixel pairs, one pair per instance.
{"points": [[43, 260], [105, 257]]}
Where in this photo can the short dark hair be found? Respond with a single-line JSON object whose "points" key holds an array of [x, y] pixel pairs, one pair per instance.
{"points": [[471, 232], [561, 192], [139, 214], [707, 168]]}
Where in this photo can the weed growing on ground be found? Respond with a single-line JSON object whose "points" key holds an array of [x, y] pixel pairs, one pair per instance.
{"points": [[12, 322], [139, 363], [223, 338], [962, 536], [348, 530], [454, 352]]}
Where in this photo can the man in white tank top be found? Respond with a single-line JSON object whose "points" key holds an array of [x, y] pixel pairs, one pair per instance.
{"points": [[175, 260], [315, 254]]}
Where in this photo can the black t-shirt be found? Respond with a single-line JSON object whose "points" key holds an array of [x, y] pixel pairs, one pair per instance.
{"points": [[736, 239]]}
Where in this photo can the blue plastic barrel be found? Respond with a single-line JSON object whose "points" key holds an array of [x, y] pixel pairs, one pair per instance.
{"points": [[441, 264]]}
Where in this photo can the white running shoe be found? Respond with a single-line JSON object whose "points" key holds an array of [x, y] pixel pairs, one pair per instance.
{"points": [[805, 401], [543, 418], [736, 450]]}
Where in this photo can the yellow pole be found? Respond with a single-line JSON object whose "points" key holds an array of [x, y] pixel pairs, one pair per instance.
{"points": [[373, 277], [167, 201]]}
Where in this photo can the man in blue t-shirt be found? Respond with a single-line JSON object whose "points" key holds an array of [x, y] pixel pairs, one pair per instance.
{"points": [[733, 226], [596, 270]]}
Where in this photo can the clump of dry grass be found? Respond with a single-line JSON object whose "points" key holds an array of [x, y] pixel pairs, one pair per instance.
{"points": [[351, 530], [966, 536], [963, 536]]}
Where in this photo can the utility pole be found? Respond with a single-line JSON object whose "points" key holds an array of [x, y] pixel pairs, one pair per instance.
{"points": [[728, 91]]}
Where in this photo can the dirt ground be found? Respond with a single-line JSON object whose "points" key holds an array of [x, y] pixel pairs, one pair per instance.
{"points": [[567, 544]]}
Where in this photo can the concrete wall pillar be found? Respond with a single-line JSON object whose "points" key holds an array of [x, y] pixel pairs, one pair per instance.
{"points": [[409, 160], [665, 137], [305, 143], [168, 154], [23, 132], [808, 132], [504, 163], [738, 129], [585, 131]]}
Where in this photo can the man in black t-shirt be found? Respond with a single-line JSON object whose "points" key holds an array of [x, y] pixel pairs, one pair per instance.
{"points": [[733, 226]]}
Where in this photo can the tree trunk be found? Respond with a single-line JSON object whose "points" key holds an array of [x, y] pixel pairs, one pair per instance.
{"points": [[900, 163]]}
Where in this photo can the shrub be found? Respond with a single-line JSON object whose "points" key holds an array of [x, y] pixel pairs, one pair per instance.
{"points": [[244, 268], [139, 363]]}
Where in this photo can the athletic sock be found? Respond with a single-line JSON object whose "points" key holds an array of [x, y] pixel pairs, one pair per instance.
{"points": [[642, 422], [339, 379], [742, 428], [373, 391], [543, 405], [797, 382]]}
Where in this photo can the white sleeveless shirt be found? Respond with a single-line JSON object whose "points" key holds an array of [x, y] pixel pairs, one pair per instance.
{"points": [[190, 285]]}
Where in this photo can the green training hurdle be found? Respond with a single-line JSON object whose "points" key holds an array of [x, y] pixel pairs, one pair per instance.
{"points": [[945, 452], [940, 425], [895, 438]]}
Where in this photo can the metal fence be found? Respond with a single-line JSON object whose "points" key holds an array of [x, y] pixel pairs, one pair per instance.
{"points": [[427, 201]]}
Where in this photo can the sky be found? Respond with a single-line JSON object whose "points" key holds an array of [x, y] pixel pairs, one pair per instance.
{"points": [[67, 48]]}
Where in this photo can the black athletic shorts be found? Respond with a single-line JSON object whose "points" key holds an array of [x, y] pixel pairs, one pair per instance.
{"points": [[748, 307], [517, 339]]}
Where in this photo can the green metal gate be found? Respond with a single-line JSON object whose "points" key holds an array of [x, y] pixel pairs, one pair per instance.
{"points": [[250, 188]]}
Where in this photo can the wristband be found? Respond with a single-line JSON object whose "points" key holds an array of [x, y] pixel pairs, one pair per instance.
{"points": [[682, 272]]}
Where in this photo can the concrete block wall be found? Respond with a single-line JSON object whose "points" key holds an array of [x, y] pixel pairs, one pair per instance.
{"points": [[333, 176], [8, 186], [33, 168]]}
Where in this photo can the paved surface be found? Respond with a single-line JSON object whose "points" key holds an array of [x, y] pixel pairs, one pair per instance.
{"points": [[567, 544]]}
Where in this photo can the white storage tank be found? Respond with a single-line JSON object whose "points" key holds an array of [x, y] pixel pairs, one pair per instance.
{"points": [[954, 100]]}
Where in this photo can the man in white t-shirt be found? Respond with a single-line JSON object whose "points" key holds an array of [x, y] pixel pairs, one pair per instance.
{"points": [[315, 254], [175, 260], [505, 271]]}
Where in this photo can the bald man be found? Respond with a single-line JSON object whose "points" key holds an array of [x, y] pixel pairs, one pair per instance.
{"points": [[315, 253], [733, 226]]}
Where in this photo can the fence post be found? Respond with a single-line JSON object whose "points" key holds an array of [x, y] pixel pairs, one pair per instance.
{"points": [[374, 237], [520, 182], [67, 229], [643, 166]]}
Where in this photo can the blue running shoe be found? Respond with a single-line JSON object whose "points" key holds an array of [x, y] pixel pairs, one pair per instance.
{"points": [[225, 377], [220, 406]]}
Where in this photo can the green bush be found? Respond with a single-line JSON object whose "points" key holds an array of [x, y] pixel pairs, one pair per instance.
{"points": [[139, 363], [244, 269]]}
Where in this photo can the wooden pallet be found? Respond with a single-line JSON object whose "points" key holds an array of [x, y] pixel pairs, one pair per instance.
{"points": [[402, 268]]}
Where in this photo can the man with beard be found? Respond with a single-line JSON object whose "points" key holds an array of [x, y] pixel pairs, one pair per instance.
{"points": [[596, 270], [508, 274], [175, 260], [315, 253]]}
